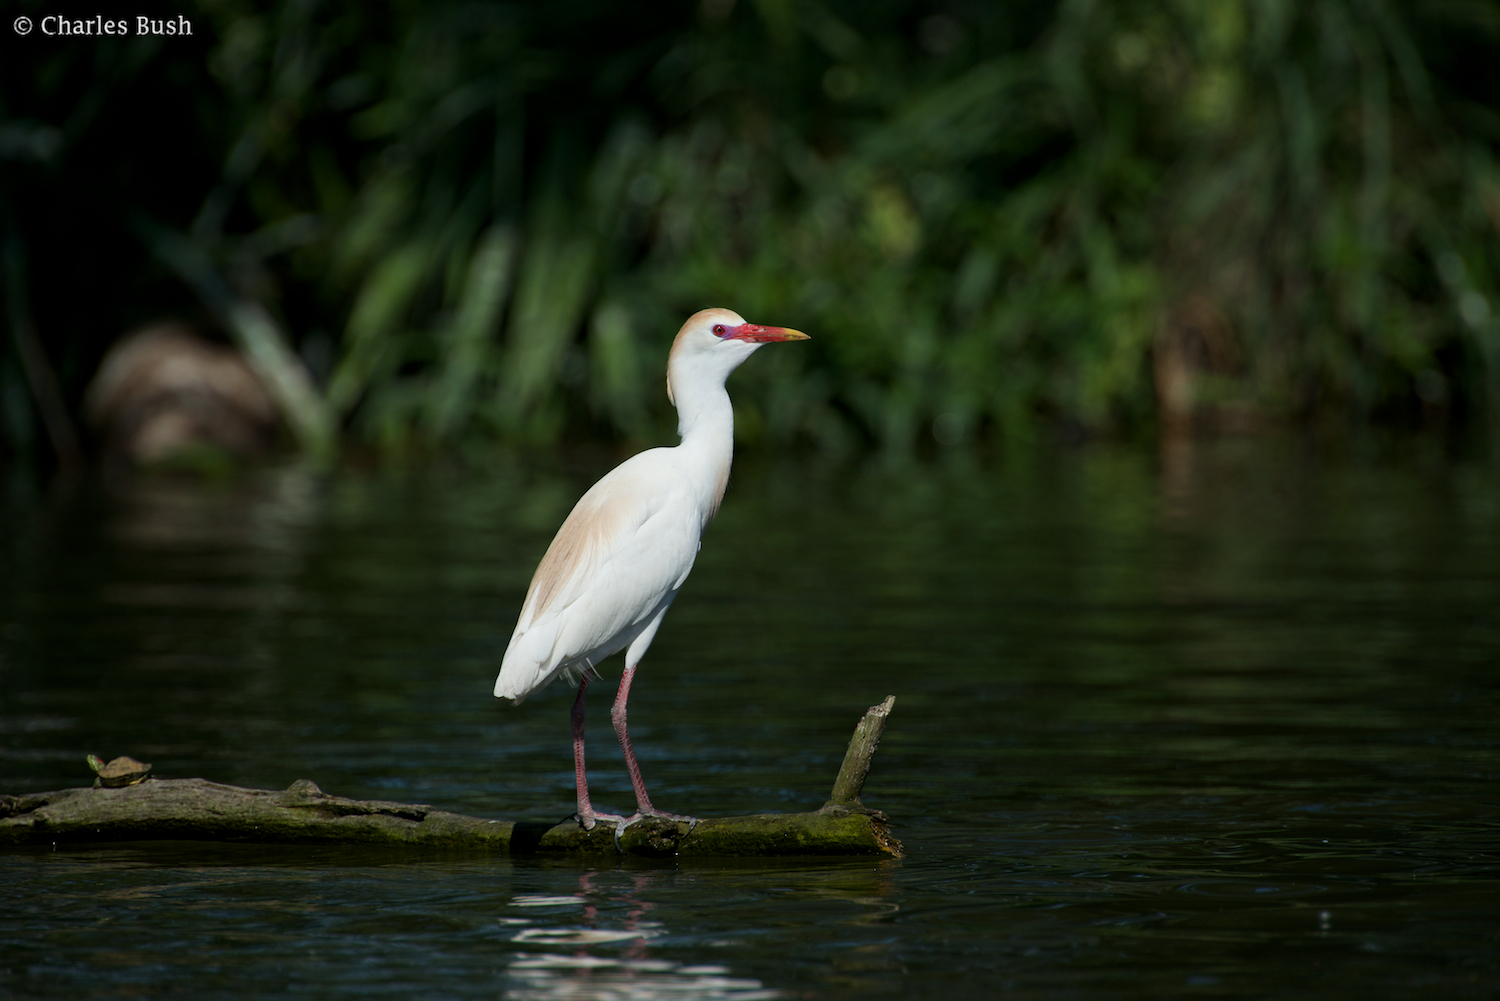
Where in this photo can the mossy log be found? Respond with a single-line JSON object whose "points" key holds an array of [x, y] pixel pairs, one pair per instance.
{"points": [[199, 810]]}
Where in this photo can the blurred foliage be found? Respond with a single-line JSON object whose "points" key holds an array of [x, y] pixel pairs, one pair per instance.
{"points": [[485, 221]]}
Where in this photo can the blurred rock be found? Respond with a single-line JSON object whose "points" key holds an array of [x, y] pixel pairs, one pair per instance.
{"points": [[163, 393]]}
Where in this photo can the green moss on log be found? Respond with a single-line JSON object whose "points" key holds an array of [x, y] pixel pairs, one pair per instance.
{"points": [[199, 810], [196, 810]]}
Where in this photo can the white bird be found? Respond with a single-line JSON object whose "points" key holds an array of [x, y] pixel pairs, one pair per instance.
{"points": [[624, 552]]}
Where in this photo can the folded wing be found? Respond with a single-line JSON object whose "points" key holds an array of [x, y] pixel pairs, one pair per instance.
{"points": [[613, 567]]}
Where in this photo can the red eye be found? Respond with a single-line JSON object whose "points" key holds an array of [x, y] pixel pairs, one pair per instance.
{"points": [[718, 329]]}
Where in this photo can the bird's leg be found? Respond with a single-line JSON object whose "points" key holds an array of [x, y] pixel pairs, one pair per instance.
{"points": [[617, 715], [586, 815], [585, 808]]}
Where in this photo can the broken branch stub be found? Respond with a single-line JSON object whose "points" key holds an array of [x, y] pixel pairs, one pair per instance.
{"points": [[862, 746]]}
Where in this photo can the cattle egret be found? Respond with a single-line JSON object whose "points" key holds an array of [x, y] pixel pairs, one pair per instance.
{"points": [[627, 547]]}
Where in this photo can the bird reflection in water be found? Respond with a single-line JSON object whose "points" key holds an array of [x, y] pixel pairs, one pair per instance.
{"points": [[575, 970]]}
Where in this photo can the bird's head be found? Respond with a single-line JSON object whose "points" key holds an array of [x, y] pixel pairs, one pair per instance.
{"points": [[713, 343]]}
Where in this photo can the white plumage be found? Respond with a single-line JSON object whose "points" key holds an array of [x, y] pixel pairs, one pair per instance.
{"points": [[624, 552], [609, 575]]}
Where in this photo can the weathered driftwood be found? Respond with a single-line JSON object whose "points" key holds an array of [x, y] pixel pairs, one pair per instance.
{"points": [[199, 810], [862, 747]]}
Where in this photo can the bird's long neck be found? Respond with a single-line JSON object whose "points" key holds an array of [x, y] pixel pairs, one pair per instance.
{"points": [[705, 420]]}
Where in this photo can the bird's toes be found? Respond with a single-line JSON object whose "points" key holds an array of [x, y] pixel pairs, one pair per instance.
{"points": [[591, 821], [624, 822], [616, 819], [692, 822]]}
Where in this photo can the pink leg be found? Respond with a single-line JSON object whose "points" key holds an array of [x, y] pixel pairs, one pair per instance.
{"points": [[586, 815], [617, 715]]}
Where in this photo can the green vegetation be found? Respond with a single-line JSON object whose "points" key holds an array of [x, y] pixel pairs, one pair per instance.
{"points": [[484, 222]]}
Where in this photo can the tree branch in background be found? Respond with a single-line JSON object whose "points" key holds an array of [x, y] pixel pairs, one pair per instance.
{"points": [[39, 375]]}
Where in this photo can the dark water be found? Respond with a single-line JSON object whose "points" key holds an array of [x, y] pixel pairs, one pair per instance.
{"points": [[1218, 723]]}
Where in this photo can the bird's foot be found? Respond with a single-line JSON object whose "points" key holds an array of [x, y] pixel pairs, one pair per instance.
{"points": [[623, 822], [641, 815], [692, 822], [590, 820]]}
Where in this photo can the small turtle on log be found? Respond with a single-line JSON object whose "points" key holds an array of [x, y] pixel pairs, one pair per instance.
{"points": [[122, 771]]}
